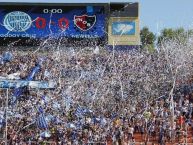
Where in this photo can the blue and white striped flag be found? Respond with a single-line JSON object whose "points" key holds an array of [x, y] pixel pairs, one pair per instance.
{"points": [[79, 112], [41, 122], [2, 119], [41, 110], [2, 123], [43, 98]]}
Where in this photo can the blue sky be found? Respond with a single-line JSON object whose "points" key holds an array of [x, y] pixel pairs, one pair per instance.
{"points": [[156, 14]]}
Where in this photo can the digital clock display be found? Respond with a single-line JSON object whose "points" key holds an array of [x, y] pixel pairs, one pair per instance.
{"points": [[53, 11], [40, 21]]}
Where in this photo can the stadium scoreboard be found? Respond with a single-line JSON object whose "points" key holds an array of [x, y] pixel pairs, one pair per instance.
{"points": [[89, 21]]}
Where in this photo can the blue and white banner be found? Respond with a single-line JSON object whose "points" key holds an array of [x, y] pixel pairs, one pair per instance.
{"points": [[123, 28], [5, 83]]}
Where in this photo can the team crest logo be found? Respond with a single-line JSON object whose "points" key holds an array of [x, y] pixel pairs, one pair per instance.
{"points": [[17, 21], [84, 22]]}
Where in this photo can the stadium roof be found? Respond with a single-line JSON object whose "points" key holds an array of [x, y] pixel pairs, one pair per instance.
{"points": [[66, 1]]}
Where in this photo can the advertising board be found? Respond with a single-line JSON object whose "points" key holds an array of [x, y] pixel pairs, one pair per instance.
{"points": [[123, 28]]}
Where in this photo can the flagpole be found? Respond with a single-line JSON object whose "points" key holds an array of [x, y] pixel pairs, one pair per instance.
{"points": [[186, 130], [6, 108], [26, 126]]}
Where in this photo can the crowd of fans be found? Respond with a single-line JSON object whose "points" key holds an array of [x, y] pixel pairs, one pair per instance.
{"points": [[101, 97]]}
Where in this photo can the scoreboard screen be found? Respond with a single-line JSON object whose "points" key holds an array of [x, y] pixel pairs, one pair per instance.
{"points": [[52, 20]]}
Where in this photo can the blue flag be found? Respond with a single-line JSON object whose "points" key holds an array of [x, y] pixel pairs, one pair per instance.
{"points": [[41, 122], [19, 91], [40, 109], [2, 122], [79, 112]]}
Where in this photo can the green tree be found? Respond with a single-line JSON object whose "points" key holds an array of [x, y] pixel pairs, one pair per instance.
{"points": [[147, 38], [179, 35], [166, 34]]}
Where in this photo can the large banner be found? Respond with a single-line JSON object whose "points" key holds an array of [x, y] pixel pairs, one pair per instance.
{"points": [[5, 83], [39, 21]]}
